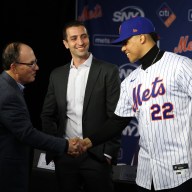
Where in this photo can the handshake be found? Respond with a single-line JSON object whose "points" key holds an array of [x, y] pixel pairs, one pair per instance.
{"points": [[78, 146]]}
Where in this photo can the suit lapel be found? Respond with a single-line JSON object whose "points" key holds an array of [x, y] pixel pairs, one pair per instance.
{"points": [[65, 77], [92, 78]]}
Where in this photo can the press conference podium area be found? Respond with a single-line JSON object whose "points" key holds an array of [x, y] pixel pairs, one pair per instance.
{"points": [[43, 176]]}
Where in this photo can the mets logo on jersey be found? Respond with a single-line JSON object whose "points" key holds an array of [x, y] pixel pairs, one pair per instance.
{"points": [[126, 69], [158, 111]]}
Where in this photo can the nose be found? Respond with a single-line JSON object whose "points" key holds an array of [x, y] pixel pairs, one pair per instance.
{"points": [[80, 41], [123, 48], [36, 67]]}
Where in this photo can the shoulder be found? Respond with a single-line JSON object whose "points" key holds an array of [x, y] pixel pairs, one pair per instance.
{"points": [[9, 93], [104, 64], [60, 70], [176, 56], [5, 86], [179, 61], [132, 76]]}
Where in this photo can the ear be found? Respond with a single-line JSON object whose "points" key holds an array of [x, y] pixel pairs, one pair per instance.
{"points": [[142, 38], [65, 44], [13, 68]]}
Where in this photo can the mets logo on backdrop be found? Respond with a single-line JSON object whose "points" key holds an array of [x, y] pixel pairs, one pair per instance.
{"points": [[166, 14], [126, 69]]}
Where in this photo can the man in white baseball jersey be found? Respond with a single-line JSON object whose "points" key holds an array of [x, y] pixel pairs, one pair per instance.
{"points": [[158, 93]]}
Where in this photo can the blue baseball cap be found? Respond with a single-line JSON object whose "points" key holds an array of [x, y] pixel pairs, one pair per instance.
{"points": [[134, 26]]}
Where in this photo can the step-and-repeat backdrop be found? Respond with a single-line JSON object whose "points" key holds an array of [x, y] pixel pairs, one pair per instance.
{"points": [[173, 23]]}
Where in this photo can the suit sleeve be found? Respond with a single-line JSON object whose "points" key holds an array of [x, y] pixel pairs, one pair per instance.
{"points": [[49, 115], [112, 127], [112, 95], [15, 117]]}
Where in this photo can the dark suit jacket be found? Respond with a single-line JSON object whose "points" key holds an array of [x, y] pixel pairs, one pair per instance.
{"points": [[101, 96], [16, 136]]}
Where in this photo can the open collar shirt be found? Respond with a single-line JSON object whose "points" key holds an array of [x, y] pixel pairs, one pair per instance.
{"points": [[75, 97]]}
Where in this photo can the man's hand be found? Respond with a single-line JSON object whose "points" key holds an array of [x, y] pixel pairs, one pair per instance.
{"points": [[86, 143], [78, 146], [74, 147]]}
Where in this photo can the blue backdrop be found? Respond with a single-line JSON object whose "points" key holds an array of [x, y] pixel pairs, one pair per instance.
{"points": [[173, 23]]}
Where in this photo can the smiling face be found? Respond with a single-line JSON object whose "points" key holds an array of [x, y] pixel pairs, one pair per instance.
{"points": [[77, 41], [132, 48], [137, 46]]}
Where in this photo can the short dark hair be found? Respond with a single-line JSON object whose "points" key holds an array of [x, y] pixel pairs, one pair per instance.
{"points": [[154, 36], [10, 54], [74, 23]]}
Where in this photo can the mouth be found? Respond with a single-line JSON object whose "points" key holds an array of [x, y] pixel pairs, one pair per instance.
{"points": [[81, 47], [127, 54]]}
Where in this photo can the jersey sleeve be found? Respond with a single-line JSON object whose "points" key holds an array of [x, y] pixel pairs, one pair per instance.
{"points": [[184, 76], [124, 107]]}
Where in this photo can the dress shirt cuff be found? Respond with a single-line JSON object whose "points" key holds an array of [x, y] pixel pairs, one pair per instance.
{"points": [[108, 156]]}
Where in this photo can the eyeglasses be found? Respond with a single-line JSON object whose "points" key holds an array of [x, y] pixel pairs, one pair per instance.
{"points": [[32, 64]]}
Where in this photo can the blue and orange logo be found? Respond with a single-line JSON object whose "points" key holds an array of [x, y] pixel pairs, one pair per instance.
{"points": [[166, 15]]}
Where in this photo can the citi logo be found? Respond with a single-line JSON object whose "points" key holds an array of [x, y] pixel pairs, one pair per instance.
{"points": [[166, 15], [127, 13]]}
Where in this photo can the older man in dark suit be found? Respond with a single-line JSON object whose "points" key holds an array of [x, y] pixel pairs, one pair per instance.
{"points": [[17, 133], [81, 96]]}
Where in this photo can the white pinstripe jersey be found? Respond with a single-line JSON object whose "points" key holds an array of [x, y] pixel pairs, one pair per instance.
{"points": [[160, 97]]}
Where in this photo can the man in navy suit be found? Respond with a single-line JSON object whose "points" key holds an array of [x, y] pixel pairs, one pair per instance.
{"points": [[81, 96], [17, 134]]}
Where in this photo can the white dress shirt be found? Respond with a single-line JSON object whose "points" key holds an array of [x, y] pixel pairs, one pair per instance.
{"points": [[75, 97]]}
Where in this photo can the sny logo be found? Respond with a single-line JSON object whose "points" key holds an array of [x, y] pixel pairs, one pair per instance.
{"points": [[190, 15], [126, 69]]}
